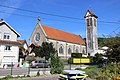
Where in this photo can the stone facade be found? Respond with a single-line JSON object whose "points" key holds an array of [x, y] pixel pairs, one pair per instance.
{"points": [[91, 33]]}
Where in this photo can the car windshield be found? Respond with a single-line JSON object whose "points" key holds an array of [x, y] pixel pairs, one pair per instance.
{"points": [[35, 61]]}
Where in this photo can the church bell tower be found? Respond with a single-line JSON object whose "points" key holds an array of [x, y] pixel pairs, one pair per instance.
{"points": [[91, 33]]}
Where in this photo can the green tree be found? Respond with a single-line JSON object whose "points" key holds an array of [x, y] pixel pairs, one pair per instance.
{"points": [[99, 60], [113, 53], [21, 52], [45, 50], [56, 64], [38, 51]]}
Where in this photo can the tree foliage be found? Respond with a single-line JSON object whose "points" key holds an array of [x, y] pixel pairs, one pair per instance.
{"points": [[45, 50], [113, 53], [98, 59], [21, 52], [56, 64]]}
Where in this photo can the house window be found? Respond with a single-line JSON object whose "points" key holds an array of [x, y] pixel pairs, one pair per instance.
{"points": [[37, 37], [83, 51], [76, 49], [7, 36], [7, 47], [69, 51], [61, 49]]}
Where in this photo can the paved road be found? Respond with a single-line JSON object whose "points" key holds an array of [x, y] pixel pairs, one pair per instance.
{"points": [[55, 77]]}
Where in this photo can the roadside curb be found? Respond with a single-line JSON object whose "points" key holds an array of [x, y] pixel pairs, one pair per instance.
{"points": [[32, 74], [32, 77]]}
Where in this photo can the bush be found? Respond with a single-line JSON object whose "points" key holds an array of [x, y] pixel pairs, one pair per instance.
{"points": [[7, 77], [93, 73], [56, 70], [102, 78], [70, 60], [28, 76], [38, 73], [56, 65]]}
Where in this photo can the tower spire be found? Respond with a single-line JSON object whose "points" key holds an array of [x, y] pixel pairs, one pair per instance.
{"points": [[38, 19], [91, 32]]}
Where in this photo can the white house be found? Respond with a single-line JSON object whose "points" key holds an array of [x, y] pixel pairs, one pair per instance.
{"points": [[64, 42], [103, 50], [9, 50]]}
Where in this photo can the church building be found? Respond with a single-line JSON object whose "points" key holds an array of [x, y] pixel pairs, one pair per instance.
{"points": [[64, 42]]}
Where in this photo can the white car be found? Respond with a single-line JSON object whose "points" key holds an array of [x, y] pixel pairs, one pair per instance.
{"points": [[73, 75]]}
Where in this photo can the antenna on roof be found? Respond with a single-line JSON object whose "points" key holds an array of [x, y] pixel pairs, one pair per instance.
{"points": [[1, 19]]}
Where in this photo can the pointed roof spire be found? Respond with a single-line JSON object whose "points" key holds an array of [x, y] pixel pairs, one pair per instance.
{"points": [[91, 13], [38, 19]]}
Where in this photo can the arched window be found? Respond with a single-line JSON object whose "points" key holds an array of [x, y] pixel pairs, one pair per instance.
{"points": [[61, 49], [76, 49], [69, 51], [83, 51]]}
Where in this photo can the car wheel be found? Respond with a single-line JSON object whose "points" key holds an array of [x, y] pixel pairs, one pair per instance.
{"points": [[37, 66], [48, 66]]}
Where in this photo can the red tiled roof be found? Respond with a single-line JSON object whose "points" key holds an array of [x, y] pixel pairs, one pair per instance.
{"points": [[9, 42], [61, 35], [22, 41]]}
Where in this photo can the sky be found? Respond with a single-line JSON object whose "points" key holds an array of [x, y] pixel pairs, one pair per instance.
{"points": [[22, 15]]}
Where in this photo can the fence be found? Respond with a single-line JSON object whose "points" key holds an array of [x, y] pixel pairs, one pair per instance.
{"points": [[13, 68]]}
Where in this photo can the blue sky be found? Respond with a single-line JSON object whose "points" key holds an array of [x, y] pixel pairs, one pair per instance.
{"points": [[106, 10]]}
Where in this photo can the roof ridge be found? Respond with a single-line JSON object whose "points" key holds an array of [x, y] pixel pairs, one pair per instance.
{"points": [[60, 30], [62, 35]]}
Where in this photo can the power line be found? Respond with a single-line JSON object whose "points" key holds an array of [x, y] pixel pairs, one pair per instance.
{"points": [[111, 22], [18, 14], [41, 12], [36, 17], [114, 31]]}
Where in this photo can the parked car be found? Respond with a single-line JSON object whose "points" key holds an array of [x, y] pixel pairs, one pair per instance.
{"points": [[40, 64], [73, 75]]}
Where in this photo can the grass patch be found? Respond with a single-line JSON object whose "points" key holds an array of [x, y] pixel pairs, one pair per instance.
{"points": [[88, 68], [8, 77], [91, 71]]}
